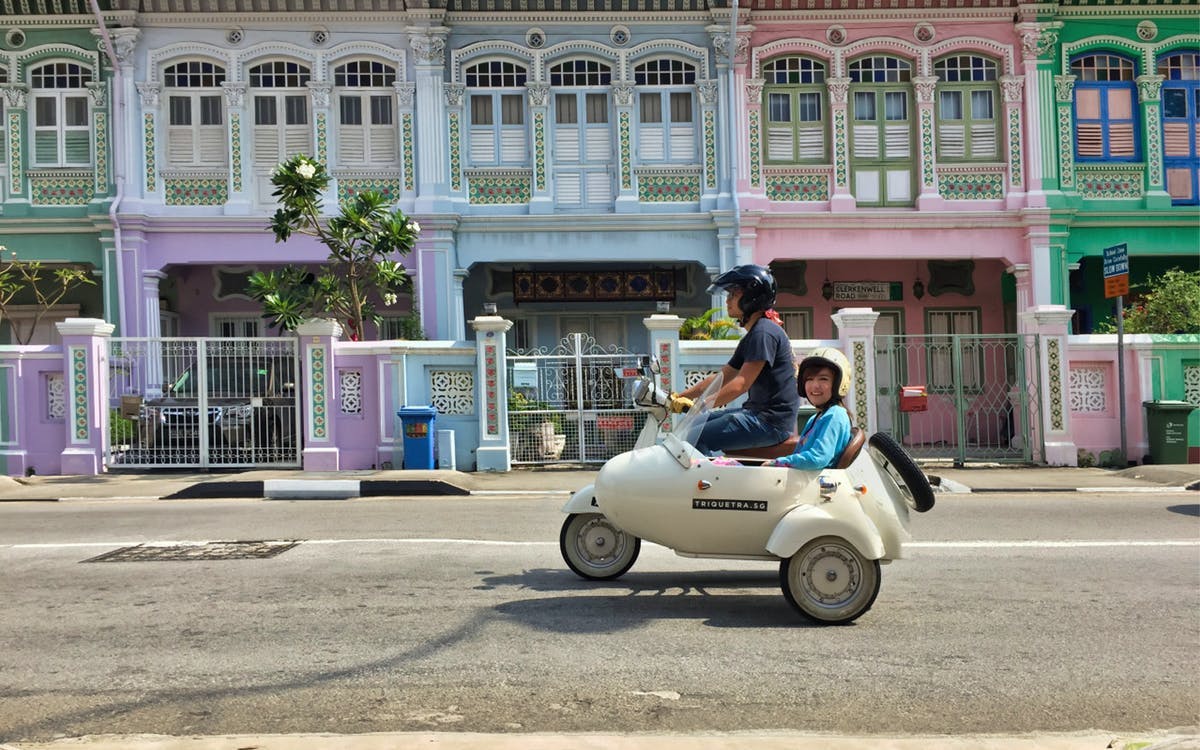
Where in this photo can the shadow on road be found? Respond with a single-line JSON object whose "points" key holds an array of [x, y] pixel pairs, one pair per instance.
{"points": [[1185, 510]]}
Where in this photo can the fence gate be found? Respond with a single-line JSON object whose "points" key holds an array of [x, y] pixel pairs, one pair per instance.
{"points": [[570, 404], [983, 395], [199, 402]]}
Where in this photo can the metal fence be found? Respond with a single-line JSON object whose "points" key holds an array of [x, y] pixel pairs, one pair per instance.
{"points": [[198, 402], [982, 398], [571, 403]]}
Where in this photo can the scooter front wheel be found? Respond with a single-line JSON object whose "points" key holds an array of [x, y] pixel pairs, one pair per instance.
{"points": [[594, 548], [829, 581]]}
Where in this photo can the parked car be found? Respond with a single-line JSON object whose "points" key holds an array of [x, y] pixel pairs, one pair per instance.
{"points": [[251, 403]]}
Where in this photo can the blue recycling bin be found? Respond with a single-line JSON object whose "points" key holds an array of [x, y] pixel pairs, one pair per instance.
{"points": [[416, 423]]}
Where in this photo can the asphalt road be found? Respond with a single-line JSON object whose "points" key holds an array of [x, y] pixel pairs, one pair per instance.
{"points": [[1059, 613]]}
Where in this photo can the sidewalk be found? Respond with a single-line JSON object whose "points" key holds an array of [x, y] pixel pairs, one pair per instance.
{"points": [[732, 741], [296, 484]]}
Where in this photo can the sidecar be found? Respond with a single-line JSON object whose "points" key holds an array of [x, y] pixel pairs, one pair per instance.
{"points": [[829, 530]]}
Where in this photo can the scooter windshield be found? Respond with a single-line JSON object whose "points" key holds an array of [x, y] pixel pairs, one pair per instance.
{"points": [[689, 427]]}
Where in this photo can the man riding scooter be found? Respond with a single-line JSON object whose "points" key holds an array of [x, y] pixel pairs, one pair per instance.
{"points": [[762, 367]]}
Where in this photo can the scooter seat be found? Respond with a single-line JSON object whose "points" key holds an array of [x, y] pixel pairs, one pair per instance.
{"points": [[786, 448]]}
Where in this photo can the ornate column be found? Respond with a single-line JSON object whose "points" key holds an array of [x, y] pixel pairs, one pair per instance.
{"points": [[428, 44], [460, 187], [1038, 42], [856, 339], [733, 168], [491, 393], [124, 133], [1012, 88], [85, 367], [235, 106], [627, 195], [1149, 97], [148, 96], [317, 339], [1024, 282], [15, 97], [405, 95], [457, 307], [541, 199], [1051, 323], [709, 92], [839, 93], [926, 87], [318, 94]]}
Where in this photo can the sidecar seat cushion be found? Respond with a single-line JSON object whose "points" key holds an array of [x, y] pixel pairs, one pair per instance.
{"points": [[858, 439], [786, 448]]}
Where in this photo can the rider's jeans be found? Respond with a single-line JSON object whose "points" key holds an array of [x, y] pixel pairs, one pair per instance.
{"points": [[734, 429]]}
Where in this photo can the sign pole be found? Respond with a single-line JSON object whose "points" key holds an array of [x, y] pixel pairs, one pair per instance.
{"points": [[1121, 375], [1116, 284]]}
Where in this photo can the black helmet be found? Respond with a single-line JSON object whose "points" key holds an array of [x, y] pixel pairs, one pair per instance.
{"points": [[757, 285]]}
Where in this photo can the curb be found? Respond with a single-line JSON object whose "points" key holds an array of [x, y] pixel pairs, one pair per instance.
{"points": [[315, 489]]}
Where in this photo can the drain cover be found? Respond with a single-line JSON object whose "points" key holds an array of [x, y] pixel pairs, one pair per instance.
{"points": [[156, 551]]}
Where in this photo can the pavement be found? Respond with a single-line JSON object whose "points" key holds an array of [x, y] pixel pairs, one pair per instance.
{"points": [[296, 485]]}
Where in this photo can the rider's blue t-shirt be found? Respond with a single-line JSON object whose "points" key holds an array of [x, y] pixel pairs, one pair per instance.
{"points": [[773, 395]]}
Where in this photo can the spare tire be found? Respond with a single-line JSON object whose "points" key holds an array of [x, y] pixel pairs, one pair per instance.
{"points": [[898, 465]]}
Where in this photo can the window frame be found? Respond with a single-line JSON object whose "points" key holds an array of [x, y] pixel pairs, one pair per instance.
{"points": [[282, 98], [936, 353], [1103, 121], [681, 76], [807, 67], [195, 91], [497, 80], [880, 91], [989, 83], [60, 96], [1191, 119], [588, 90], [382, 76]]}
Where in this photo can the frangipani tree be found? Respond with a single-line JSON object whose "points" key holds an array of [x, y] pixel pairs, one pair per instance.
{"points": [[48, 285], [365, 241]]}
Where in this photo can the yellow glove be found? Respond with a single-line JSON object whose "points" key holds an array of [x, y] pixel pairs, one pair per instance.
{"points": [[677, 403]]}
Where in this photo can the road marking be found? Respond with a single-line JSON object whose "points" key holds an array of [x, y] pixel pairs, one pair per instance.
{"points": [[976, 544]]}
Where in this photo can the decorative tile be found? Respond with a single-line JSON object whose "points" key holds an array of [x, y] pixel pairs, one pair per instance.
{"points": [[61, 190], [1066, 148], [839, 147], [860, 369], [1014, 147], [957, 186], [668, 187], [235, 135], [1109, 183], [199, 191], [452, 391], [1056, 405], [539, 147], [755, 133], [15, 176], [100, 144], [1089, 389], [710, 150], [148, 151], [406, 131], [927, 177], [797, 187], [79, 394], [491, 388], [455, 153], [317, 366], [351, 187], [626, 158], [322, 138], [488, 190], [1154, 156]]}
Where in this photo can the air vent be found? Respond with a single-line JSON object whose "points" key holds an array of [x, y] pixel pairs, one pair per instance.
{"points": [[619, 35], [15, 38], [234, 36], [320, 37], [535, 38]]}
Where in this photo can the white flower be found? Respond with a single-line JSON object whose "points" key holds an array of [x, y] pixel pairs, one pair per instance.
{"points": [[389, 299], [306, 170], [414, 227]]}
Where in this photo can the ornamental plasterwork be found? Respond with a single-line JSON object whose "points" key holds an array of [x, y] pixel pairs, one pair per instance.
{"points": [[1147, 31], [1150, 87], [471, 52], [148, 93], [319, 92], [454, 94], [307, 56], [976, 44], [629, 58], [38, 54], [839, 90], [428, 46], [538, 92], [709, 91], [1063, 87], [720, 42], [924, 33], [1013, 88], [1037, 42], [158, 57], [623, 93], [754, 88], [98, 92], [235, 94], [14, 95], [405, 94], [794, 47], [925, 86], [346, 50]]}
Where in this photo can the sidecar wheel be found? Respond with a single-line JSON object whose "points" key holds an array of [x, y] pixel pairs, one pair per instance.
{"points": [[594, 548], [897, 464], [829, 581]]}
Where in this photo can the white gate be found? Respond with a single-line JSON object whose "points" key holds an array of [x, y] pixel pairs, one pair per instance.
{"points": [[203, 403]]}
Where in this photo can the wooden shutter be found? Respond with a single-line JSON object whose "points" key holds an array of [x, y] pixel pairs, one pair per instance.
{"points": [[1177, 139], [952, 141], [482, 145], [898, 141], [512, 145], [566, 144], [351, 146], [812, 143], [266, 146], [382, 145], [866, 141], [599, 187], [780, 144], [650, 142], [683, 143], [983, 140], [212, 146], [568, 188], [181, 146], [598, 146]]}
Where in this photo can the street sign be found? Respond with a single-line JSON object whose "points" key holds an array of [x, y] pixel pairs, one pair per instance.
{"points": [[1116, 271]]}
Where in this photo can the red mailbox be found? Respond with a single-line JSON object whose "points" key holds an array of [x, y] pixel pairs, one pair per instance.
{"points": [[913, 398]]}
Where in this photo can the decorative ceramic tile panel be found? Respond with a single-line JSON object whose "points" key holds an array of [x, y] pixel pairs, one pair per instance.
{"points": [[235, 135], [100, 144], [667, 187], [495, 189], [56, 397], [1109, 183], [148, 151], [350, 394], [200, 191], [491, 385], [927, 146], [755, 148], [1089, 389], [351, 187], [710, 149], [1066, 149], [317, 366], [455, 154], [15, 175], [860, 369], [452, 391], [79, 394], [957, 186], [1055, 364], [539, 147], [839, 146], [1191, 384], [406, 130], [1154, 155], [797, 187], [1014, 147], [322, 138], [61, 190], [626, 158]]}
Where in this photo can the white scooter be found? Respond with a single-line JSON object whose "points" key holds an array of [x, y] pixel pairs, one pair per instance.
{"points": [[829, 530]]}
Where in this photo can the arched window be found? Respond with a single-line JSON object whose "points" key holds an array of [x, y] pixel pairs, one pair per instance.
{"points": [[1181, 124], [666, 111], [196, 134], [61, 133], [366, 98], [794, 96], [882, 158], [496, 91], [583, 139], [281, 122], [967, 97], [1105, 108]]}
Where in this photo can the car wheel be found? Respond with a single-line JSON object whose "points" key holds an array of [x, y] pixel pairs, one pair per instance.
{"points": [[829, 581], [594, 548], [898, 465]]}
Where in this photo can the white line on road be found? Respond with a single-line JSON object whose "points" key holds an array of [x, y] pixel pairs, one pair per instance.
{"points": [[976, 544]]}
